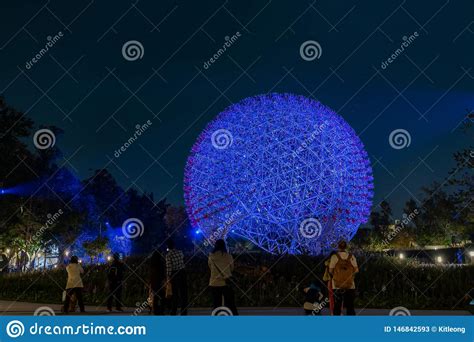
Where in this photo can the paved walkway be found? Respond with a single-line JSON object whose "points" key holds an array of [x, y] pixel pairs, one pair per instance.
{"points": [[24, 309]]}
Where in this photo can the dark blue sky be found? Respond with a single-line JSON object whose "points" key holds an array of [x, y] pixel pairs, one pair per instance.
{"points": [[426, 90]]}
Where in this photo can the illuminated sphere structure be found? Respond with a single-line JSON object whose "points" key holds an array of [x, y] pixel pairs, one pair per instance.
{"points": [[283, 171]]}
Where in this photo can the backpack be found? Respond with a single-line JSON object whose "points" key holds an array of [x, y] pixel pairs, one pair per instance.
{"points": [[343, 274]]}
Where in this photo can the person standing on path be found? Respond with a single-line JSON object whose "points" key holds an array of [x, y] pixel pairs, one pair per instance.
{"points": [[74, 284], [221, 265], [157, 283], [176, 275], [115, 282], [343, 267]]}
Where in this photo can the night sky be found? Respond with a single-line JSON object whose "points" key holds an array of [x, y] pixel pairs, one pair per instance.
{"points": [[85, 86]]}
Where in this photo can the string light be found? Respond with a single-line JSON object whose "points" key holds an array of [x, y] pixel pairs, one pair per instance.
{"points": [[271, 163]]}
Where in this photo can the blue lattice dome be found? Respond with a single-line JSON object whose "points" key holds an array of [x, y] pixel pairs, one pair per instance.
{"points": [[283, 171]]}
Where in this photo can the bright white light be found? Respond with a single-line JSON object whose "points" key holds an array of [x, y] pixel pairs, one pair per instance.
{"points": [[66, 253], [109, 258], [8, 251], [439, 259], [471, 253], [401, 256], [80, 261]]}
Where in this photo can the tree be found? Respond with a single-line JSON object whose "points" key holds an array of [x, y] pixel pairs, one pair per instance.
{"points": [[151, 213], [36, 189], [461, 184], [22, 241], [109, 199], [436, 216], [23, 173], [15, 127], [385, 217], [178, 227], [97, 248]]}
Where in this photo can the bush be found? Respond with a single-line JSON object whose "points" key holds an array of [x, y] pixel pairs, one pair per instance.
{"points": [[383, 282]]}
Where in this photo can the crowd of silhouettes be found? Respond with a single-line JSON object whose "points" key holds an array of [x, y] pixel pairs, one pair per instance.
{"points": [[168, 285]]}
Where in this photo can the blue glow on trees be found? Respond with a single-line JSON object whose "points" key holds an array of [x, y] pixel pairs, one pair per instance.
{"points": [[118, 243], [271, 164]]}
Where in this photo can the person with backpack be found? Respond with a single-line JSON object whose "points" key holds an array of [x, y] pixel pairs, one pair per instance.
{"points": [[342, 268], [115, 280]]}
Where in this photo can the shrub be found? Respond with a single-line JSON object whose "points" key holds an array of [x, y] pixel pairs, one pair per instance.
{"points": [[264, 280]]}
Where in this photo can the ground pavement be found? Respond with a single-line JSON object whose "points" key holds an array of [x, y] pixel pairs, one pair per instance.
{"points": [[12, 308]]}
